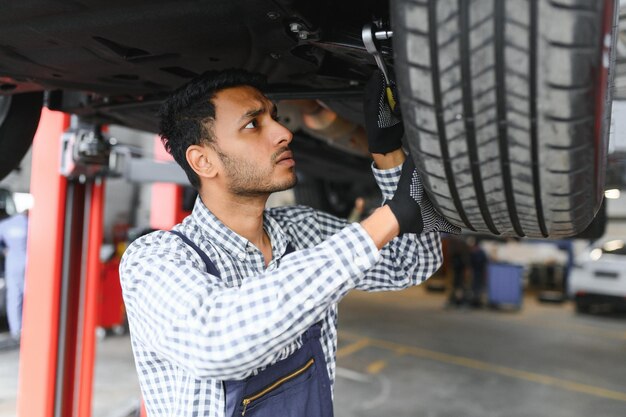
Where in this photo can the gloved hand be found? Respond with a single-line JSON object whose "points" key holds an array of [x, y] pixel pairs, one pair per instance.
{"points": [[383, 125], [412, 208]]}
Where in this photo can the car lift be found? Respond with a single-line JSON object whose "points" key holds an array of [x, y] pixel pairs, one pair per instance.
{"points": [[62, 276]]}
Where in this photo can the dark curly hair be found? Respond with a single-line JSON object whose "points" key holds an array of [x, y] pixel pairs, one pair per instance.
{"points": [[187, 116]]}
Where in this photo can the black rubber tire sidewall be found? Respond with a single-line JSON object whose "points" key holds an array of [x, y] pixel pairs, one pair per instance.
{"points": [[18, 130]]}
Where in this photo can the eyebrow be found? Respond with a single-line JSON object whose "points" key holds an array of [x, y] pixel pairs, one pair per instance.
{"points": [[252, 113]]}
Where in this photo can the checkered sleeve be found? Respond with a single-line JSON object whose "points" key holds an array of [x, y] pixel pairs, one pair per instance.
{"points": [[387, 180], [407, 260], [194, 320]]}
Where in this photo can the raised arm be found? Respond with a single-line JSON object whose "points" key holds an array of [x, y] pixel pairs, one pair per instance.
{"points": [[416, 254]]}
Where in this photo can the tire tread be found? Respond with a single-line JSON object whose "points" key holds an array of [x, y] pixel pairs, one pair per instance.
{"points": [[498, 73]]}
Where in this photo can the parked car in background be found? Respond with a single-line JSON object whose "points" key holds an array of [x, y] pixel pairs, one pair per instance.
{"points": [[598, 278]]}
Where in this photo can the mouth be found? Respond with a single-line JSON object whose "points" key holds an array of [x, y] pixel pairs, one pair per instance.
{"points": [[286, 159]]}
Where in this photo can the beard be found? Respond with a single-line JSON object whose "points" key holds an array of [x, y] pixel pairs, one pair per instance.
{"points": [[248, 180]]}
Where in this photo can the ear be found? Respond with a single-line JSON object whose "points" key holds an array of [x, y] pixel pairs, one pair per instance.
{"points": [[202, 159]]}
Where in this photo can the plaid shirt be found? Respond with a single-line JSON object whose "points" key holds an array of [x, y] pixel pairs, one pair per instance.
{"points": [[191, 330]]}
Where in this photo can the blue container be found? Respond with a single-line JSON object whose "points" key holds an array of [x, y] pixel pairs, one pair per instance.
{"points": [[504, 285]]}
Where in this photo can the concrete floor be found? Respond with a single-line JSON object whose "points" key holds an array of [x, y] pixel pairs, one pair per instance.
{"points": [[420, 359], [405, 354]]}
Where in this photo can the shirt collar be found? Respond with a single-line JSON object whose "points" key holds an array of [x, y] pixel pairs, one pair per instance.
{"points": [[227, 239]]}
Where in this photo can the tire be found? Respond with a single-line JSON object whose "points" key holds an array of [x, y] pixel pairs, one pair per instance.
{"points": [[19, 117], [506, 106], [595, 230], [582, 307]]}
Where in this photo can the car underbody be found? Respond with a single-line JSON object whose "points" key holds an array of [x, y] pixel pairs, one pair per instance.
{"points": [[114, 62], [506, 112]]}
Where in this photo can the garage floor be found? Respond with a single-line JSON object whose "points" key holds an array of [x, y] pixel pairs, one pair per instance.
{"points": [[405, 354]]}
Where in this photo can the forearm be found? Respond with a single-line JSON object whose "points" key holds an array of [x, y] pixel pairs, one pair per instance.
{"points": [[381, 226], [406, 261], [389, 160]]}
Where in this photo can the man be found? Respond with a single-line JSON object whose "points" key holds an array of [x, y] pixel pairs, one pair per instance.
{"points": [[235, 310], [13, 235]]}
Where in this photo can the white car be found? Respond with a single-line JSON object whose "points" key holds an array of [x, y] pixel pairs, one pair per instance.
{"points": [[599, 276]]}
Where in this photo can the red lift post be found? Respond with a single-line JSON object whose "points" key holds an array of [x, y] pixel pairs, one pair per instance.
{"points": [[62, 273], [61, 305]]}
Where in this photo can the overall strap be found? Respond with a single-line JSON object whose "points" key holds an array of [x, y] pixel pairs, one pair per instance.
{"points": [[210, 266]]}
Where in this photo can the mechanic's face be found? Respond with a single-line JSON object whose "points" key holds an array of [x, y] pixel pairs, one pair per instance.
{"points": [[251, 144]]}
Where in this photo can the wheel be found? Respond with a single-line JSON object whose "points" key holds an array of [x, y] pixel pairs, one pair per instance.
{"points": [[582, 307], [506, 106], [19, 117], [595, 230]]}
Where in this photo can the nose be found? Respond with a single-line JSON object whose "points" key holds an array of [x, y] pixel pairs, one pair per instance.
{"points": [[281, 135]]}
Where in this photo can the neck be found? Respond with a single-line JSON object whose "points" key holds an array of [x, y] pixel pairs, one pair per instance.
{"points": [[243, 215]]}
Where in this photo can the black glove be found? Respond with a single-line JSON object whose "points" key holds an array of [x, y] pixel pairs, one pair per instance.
{"points": [[383, 125], [412, 208]]}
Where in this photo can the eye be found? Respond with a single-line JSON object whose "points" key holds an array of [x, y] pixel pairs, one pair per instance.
{"points": [[251, 124]]}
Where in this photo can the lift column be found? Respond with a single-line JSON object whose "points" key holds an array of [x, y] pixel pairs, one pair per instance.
{"points": [[64, 237]]}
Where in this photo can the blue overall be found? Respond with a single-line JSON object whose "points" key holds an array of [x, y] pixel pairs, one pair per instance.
{"points": [[297, 386], [13, 234]]}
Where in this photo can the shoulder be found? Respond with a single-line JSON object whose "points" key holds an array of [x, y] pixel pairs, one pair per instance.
{"points": [[151, 240], [11, 224], [305, 225], [156, 248], [292, 214], [299, 219], [300, 223], [5, 221]]}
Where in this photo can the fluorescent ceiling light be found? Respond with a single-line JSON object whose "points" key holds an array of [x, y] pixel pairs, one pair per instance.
{"points": [[612, 193], [596, 254], [613, 245]]}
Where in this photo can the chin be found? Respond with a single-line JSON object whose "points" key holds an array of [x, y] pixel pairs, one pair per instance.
{"points": [[287, 184]]}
